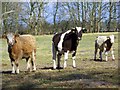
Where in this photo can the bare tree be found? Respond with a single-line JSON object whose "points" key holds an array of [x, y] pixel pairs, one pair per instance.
{"points": [[10, 16], [99, 16], [110, 15], [55, 15]]}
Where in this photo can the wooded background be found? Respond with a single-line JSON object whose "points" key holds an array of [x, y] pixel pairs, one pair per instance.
{"points": [[50, 17]]}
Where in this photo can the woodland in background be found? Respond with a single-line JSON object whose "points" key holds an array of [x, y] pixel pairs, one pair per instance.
{"points": [[50, 17]]}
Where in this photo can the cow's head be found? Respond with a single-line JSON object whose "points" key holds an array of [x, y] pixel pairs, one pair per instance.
{"points": [[112, 38], [78, 31], [11, 38]]}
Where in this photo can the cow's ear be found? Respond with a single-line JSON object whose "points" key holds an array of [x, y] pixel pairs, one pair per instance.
{"points": [[16, 35]]}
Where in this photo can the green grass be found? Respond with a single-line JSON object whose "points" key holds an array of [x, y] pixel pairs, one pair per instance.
{"points": [[88, 74]]}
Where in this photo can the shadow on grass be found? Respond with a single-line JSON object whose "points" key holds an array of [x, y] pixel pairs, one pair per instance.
{"points": [[47, 68], [97, 60], [10, 72], [6, 72]]}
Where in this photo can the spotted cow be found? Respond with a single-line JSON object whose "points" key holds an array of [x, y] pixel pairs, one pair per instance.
{"points": [[104, 44], [65, 43]]}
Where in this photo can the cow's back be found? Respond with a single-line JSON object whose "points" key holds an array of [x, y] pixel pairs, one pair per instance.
{"points": [[70, 42], [28, 43], [56, 39]]}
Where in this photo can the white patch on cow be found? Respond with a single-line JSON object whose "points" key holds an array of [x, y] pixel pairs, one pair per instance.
{"points": [[66, 55], [79, 29], [54, 56], [17, 70], [101, 39], [112, 38], [73, 52], [54, 64], [13, 68], [113, 57], [106, 53], [10, 38], [104, 49], [28, 65], [34, 66], [61, 40], [74, 64], [65, 58], [73, 58], [78, 38]]}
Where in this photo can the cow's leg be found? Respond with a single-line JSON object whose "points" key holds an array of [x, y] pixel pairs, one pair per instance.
{"points": [[112, 52], [73, 58], [54, 56], [95, 53], [28, 64], [100, 53], [17, 66], [13, 66], [59, 57], [106, 56], [33, 61], [65, 59], [96, 49]]}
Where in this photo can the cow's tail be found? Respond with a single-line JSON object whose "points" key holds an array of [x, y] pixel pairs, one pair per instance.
{"points": [[54, 55]]}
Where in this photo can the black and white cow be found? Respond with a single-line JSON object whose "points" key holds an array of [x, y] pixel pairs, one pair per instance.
{"points": [[104, 44], [65, 42]]}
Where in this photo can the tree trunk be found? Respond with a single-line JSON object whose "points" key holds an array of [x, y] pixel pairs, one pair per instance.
{"points": [[54, 16], [94, 16], [110, 16], [82, 4], [99, 16], [78, 12]]}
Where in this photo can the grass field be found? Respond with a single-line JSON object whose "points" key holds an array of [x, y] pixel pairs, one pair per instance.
{"points": [[88, 74]]}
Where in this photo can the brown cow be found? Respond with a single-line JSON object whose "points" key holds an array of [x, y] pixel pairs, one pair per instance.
{"points": [[19, 47]]}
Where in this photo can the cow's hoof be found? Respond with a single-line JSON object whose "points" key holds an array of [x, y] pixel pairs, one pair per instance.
{"points": [[106, 60], [17, 72], [54, 68], [33, 70], [73, 66], [13, 72], [113, 59]]}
